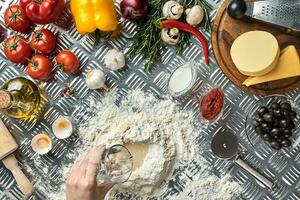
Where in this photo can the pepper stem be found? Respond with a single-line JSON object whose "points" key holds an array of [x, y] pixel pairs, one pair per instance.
{"points": [[97, 37], [158, 24]]}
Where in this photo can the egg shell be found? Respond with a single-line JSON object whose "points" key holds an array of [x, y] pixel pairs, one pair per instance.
{"points": [[62, 133], [41, 150]]}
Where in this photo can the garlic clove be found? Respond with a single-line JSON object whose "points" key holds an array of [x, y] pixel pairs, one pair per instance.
{"points": [[114, 59], [95, 79]]}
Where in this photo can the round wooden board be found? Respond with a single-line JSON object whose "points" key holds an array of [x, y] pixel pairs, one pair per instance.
{"points": [[226, 30]]}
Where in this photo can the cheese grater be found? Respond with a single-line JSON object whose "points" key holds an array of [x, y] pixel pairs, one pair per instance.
{"points": [[281, 13]]}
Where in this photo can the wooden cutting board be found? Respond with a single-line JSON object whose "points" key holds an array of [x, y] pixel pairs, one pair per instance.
{"points": [[226, 30]]}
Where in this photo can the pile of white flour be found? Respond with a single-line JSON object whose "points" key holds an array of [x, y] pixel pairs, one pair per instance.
{"points": [[142, 118]]}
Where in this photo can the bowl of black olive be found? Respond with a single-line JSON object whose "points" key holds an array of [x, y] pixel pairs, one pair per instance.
{"points": [[272, 122]]}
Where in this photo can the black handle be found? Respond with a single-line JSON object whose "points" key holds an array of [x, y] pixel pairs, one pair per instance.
{"points": [[237, 9]]}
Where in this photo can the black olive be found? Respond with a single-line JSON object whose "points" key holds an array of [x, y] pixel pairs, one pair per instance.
{"points": [[279, 139], [258, 120], [287, 133], [275, 132], [277, 113], [267, 137], [286, 143], [276, 123], [275, 145], [259, 130], [286, 106], [292, 125], [275, 106], [284, 123], [293, 114], [285, 113], [268, 117], [262, 111], [266, 127]]}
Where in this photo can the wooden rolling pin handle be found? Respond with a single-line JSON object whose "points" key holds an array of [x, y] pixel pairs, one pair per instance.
{"points": [[23, 182], [25, 185]]}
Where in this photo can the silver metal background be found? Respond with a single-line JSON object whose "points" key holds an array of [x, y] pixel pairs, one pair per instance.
{"points": [[284, 169]]}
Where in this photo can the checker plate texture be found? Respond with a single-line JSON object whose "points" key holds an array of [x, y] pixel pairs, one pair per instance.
{"points": [[284, 169]]}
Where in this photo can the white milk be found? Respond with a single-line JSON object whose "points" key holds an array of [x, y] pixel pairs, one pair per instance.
{"points": [[181, 79]]}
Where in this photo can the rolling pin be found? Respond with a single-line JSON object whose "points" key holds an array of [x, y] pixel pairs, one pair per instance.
{"points": [[7, 146]]}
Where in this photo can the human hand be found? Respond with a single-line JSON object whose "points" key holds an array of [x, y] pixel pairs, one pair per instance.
{"points": [[82, 181]]}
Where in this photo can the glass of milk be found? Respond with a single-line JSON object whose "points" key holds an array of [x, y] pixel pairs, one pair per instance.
{"points": [[183, 80]]}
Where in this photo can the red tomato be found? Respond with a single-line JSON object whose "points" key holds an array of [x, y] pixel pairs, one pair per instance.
{"points": [[39, 67], [43, 41], [16, 18], [43, 11], [16, 49], [68, 62]]}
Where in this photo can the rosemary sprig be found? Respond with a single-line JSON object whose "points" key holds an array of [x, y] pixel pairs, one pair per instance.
{"points": [[147, 41]]}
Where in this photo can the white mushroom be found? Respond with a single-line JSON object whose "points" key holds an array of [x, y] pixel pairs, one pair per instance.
{"points": [[172, 10], [114, 59], [194, 15], [170, 36], [95, 79]]}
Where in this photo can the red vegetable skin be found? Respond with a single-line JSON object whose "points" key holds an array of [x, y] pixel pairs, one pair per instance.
{"points": [[43, 41], [16, 18], [39, 68], [16, 49], [68, 62], [134, 9], [212, 104], [43, 11], [170, 23]]}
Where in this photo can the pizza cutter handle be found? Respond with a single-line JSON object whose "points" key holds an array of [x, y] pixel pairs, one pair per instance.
{"points": [[255, 173]]}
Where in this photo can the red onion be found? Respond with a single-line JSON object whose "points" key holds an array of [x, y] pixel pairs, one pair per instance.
{"points": [[134, 9]]}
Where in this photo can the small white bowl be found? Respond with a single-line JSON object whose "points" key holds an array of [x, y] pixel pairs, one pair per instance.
{"points": [[41, 144], [62, 127]]}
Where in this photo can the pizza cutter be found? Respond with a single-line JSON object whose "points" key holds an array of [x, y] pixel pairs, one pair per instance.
{"points": [[225, 146], [281, 13]]}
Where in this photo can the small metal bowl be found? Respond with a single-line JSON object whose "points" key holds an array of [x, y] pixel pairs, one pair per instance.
{"points": [[254, 138]]}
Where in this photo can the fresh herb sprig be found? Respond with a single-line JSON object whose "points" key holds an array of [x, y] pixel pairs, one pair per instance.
{"points": [[147, 41]]}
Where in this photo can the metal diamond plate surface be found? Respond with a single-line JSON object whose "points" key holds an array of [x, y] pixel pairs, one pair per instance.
{"points": [[284, 169]]}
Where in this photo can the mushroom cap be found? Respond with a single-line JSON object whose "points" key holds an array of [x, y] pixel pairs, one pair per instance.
{"points": [[170, 36], [172, 10], [195, 15]]}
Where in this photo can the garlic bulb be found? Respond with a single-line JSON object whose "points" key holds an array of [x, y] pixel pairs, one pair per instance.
{"points": [[95, 79], [170, 36], [172, 10], [114, 59], [194, 15]]}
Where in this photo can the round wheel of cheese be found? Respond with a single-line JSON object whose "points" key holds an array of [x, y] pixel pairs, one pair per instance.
{"points": [[255, 53]]}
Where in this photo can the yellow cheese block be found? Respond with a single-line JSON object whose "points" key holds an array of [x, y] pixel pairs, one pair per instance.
{"points": [[255, 53], [288, 66]]}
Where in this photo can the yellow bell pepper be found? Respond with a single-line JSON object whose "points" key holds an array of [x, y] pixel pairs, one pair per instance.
{"points": [[90, 15]]}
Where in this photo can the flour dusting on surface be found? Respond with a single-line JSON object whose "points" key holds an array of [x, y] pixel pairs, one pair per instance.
{"points": [[142, 118]]}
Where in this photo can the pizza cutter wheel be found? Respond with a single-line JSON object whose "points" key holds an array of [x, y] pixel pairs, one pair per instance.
{"points": [[225, 146]]}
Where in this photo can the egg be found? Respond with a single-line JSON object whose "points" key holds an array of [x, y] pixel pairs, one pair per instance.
{"points": [[62, 127], [41, 144]]}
